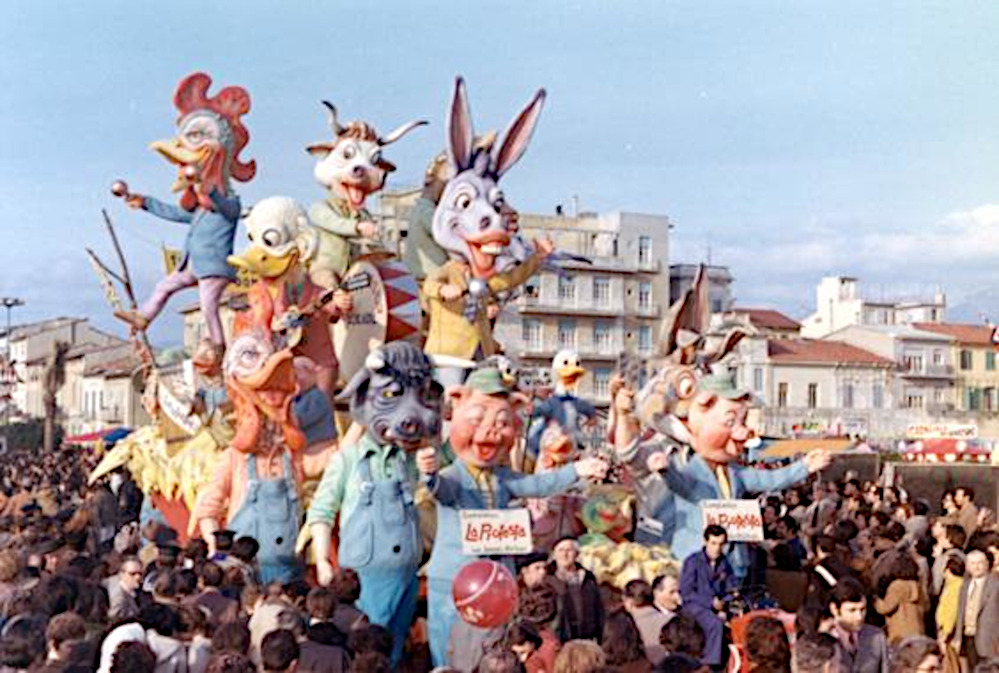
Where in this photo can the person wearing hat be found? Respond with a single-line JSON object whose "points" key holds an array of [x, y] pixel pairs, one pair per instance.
{"points": [[716, 438], [483, 429]]}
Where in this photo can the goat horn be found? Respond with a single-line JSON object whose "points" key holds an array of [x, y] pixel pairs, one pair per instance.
{"points": [[334, 124], [401, 131]]}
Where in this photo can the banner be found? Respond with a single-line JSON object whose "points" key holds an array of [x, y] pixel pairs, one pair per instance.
{"points": [[942, 431], [741, 519], [495, 532]]}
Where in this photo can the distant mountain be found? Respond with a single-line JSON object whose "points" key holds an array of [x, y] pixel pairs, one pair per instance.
{"points": [[974, 308]]}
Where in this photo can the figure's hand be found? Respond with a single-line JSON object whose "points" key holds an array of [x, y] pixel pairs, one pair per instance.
{"points": [[657, 462], [324, 572], [817, 460], [544, 246], [426, 460], [592, 468], [368, 229], [135, 201], [492, 310], [343, 301], [450, 292]]}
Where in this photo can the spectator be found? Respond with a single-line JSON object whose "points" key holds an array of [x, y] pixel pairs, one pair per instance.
{"points": [[683, 635], [231, 637], [826, 570], [279, 652], [314, 656], [705, 581], [210, 597], [536, 652], [230, 662], [194, 627], [371, 638], [813, 619], [500, 661], [62, 631], [580, 605], [786, 529], [916, 655], [946, 615], [348, 616], [978, 611], [532, 570], [638, 601], [816, 653], [666, 595], [950, 540], [623, 644], [862, 647], [902, 600], [967, 513], [22, 644], [161, 624], [579, 656], [132, 657], [124, 592], [766, 646]]}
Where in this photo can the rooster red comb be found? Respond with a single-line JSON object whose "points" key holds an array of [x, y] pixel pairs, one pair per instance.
{"points": [[230, 103]]}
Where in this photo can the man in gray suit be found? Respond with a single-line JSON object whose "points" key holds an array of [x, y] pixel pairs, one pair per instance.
{"points": [[124, 590], [862, 647], [978, 613]]}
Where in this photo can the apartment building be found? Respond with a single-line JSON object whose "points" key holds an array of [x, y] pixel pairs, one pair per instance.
{"points": [[840, 303]]}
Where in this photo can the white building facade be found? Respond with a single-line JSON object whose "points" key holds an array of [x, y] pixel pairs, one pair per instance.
{"points": [[839, 304]]}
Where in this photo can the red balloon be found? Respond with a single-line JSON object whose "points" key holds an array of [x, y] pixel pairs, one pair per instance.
{"points": [[485, 594]]}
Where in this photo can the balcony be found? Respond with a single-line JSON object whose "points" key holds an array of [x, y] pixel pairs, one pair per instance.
{"points": [[531, 305], [939, 408], [928, 372], [547, 350]]}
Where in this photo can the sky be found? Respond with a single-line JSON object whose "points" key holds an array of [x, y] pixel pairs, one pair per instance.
{"points": [[787, 140]]}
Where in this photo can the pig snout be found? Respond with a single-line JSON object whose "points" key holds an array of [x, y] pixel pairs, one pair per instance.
{"points": [[358, 172]]}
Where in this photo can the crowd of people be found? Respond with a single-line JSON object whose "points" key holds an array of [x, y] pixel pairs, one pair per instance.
{"points": [[91, 579]]}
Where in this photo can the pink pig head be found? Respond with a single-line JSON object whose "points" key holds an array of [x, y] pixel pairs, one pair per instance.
{"points": [[717, 420], [484, 420]]}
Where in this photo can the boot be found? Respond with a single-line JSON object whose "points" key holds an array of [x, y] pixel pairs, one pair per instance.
{"points": [[138, 321]]}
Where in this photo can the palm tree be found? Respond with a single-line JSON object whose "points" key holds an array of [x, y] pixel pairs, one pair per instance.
{"points": [[55, 378]]}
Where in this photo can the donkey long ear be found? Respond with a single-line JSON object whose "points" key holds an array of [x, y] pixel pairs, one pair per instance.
{"points": [[459, 128], [518, 135]]}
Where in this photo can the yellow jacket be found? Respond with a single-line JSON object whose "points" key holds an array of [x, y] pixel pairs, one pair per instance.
{"points": [[950, 603], [450, 333]]}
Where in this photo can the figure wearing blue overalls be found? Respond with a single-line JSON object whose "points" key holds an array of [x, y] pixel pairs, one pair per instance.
{"points": [[483, 429], [371, 484], [706, 469]]}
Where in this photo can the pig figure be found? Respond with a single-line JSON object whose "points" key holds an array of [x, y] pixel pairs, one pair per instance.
{"points": [[717, 435], [483, 429]]}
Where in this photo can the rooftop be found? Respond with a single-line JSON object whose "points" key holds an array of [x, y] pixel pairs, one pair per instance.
{"points": [[115, 368], [965, 334], [767, 318], [903, 331], [817, 351], [18, 332]]}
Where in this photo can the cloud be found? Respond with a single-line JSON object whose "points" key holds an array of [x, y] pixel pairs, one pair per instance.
{"points": [[958, 253]]}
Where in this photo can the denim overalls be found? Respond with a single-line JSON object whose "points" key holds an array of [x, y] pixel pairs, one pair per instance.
{"points": [[381, 542], [272, 515]]}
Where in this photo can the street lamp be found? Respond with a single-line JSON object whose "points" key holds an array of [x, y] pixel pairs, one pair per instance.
{"points": [[9, 303]]}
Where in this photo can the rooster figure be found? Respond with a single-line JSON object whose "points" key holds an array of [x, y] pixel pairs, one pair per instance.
{"points": [[210, 136]]}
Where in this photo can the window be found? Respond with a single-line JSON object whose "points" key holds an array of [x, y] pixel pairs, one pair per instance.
{"points": [[877, 396], [601, 382], [938, 357], [782, 395], [973, 399], [914, 401], [644, 250], [566, 333], [644, 339], [965, 360], [644, 296], [531, 332], [602, 337], [601, 292], [758, 379], [848, 396], [990, 361], [813, 395], [567, 289], [989, 399], [914, 363]]}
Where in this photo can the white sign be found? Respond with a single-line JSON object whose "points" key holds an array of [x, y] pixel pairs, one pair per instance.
{"points": [[942, 431], [741, 519], [495, 532], [178, 412]]}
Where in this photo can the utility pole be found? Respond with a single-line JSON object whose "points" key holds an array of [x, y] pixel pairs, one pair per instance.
{"points": [[9, 375]]}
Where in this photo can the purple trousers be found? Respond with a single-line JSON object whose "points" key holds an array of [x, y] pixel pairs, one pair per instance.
{"points": [[210, 291]]}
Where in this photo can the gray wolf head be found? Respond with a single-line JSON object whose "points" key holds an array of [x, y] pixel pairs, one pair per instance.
{"points": [[396, 397]]}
